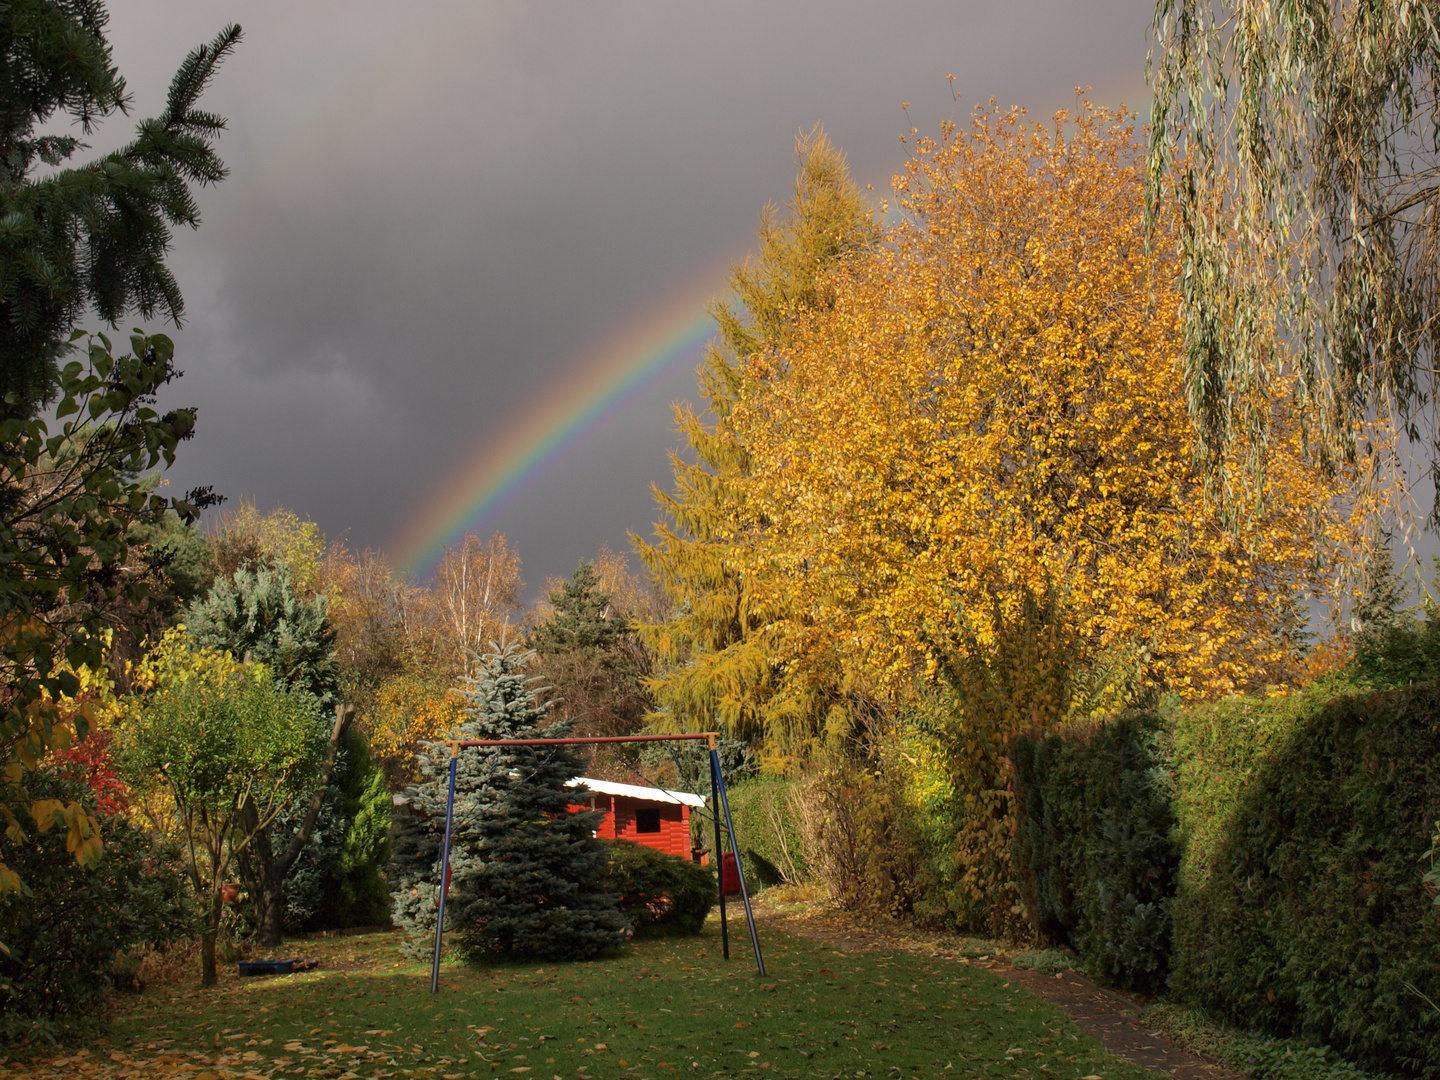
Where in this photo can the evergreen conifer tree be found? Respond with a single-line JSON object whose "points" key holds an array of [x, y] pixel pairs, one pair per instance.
{"points": [[259, 612], [90, 236], [582, 618], [595, 667], [526, 873], [1380, 606]]}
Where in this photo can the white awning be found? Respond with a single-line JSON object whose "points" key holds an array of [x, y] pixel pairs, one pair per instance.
{"points": [[634, 791]]}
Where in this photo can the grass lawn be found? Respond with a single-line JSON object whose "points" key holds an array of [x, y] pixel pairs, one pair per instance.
{"points": [[663, 1009]]}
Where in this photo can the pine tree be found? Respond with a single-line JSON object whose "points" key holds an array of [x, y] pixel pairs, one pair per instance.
{"points": [[582, 618], [525, 872], [721, 647]]}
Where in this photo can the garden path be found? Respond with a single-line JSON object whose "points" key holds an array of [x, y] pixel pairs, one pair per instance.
{"points": [[1111, 1018]]}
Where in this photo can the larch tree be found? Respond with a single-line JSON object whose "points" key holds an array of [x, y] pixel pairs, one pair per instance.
{"points": [[717, 657]]}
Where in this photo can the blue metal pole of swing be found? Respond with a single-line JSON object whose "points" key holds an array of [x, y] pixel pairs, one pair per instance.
{"points": [[718, 782], [444, 871]]}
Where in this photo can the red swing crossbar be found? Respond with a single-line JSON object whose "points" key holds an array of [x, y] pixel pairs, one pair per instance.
{"points": [[719, 803]]}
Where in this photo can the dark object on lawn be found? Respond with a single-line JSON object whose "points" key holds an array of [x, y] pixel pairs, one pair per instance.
{"points": [[276, 967], [662, 895]]}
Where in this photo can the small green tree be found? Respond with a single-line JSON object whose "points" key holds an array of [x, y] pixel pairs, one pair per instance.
{"points": [[232, 746], [257, 614], [526, 873]]}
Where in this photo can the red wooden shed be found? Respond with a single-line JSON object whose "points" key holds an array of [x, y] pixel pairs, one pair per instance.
{"points": [[645, 815]]}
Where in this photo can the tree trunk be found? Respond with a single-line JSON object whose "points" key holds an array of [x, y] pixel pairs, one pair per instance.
{"points": [[264, 871], [208, 936], [267, 892]]}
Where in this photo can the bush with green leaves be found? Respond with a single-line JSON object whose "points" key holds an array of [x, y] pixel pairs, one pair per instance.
{"points": [[768, 830], [1094, 844], [662, 895], [66, 940]]}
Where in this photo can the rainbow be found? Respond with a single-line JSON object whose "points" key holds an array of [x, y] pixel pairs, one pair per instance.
{"points": [[503, 466]]}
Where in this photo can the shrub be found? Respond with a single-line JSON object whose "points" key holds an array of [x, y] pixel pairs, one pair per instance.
{"points": [[1094, 846], [1045, 961], [661, 895], [767, 823], [1301, 909], [66, 941], [1258, 1056], [866, 847]]}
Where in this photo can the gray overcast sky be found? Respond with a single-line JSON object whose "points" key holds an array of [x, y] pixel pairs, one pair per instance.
{"points": [[437, 211]]}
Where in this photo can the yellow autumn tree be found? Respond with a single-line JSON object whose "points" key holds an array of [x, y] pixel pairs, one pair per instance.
{"points": [[992, 410], [719, 664]]}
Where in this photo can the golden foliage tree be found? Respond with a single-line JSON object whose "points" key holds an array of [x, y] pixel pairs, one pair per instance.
{"points": [[991, 407], [718, 656]]}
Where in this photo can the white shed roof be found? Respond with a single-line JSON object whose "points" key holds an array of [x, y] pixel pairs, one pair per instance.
{"points": [[634, 791]]}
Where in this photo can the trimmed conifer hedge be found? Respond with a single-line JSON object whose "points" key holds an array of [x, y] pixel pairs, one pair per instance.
{"points": [[1299, 822], [1301, 909], [1094, 848]]}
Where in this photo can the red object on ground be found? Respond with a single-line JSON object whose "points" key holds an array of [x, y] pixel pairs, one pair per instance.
{"points": [[729, 873]]}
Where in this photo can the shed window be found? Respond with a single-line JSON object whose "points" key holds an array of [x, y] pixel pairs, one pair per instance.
{"points": [[647, 819]]}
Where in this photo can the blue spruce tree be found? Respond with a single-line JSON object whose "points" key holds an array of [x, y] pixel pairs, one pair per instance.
{"points": [[526, 873]]}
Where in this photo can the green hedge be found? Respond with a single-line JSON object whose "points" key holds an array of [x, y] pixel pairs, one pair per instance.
{"points": [[1094, 845], [661, 895], [771, 845], [1300, 908]]}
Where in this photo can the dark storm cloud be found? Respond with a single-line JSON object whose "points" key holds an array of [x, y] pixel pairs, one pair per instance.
{"points": [[436, 211]]}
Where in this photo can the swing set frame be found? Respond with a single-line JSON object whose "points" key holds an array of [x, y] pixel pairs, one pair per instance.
{"points": [[719, 802]]}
